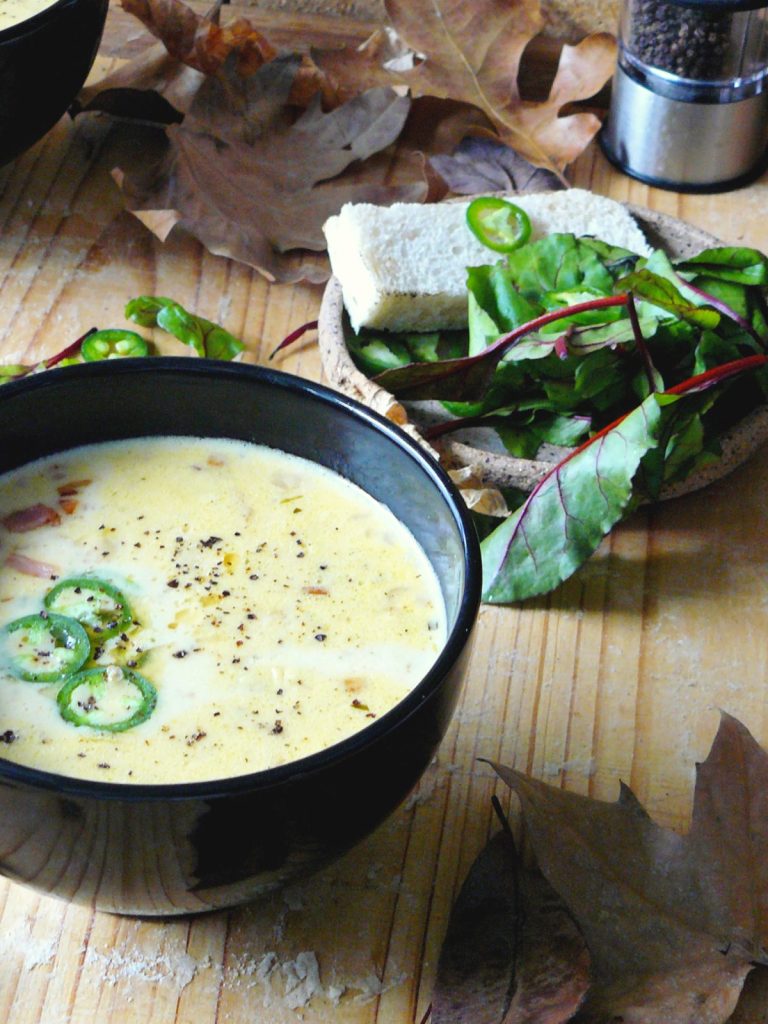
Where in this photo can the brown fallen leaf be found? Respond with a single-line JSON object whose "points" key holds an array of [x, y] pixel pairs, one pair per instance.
{"points": [[472, 52], [438, 126], [513, 953], [201, 42], [673, 923], [251, 184], [372, 63], [479, 166], [160, 83], [152, 87], [753, 1002]]}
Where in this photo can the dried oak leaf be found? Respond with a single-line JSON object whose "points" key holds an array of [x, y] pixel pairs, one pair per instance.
{"points": [[160, 83], [251, 184], [484, 165], [373, 62], [513, 953], [472, 52], [201, 42], [673, 923]]}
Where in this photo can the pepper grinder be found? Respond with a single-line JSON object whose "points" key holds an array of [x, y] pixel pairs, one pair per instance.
{"points": [[689, 105]]}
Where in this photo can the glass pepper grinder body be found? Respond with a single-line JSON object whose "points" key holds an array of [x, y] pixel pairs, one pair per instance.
{"points": [[689, 105]]}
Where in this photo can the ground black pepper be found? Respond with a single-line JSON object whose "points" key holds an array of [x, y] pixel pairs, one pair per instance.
{"points": [[691, 42]]}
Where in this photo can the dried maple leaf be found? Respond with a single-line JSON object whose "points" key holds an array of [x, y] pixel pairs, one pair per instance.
{"points": [[674, 923], [513, 953], [152, 87], [251, 184]]}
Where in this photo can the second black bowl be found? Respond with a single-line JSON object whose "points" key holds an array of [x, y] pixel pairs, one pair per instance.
{"points": [[44, 61]]}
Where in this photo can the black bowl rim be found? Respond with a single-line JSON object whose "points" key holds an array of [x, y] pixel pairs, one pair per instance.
{"points": [[36, 21], [338, 752]]}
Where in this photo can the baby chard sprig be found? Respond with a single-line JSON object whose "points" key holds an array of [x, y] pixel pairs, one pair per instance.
{"points": [[467, 378], [571, 509]]}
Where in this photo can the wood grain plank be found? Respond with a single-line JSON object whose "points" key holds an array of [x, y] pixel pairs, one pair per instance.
{"points": [[617, 676]]}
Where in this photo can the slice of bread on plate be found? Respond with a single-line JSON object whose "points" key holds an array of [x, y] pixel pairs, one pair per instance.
{"points": [[403, 267]]}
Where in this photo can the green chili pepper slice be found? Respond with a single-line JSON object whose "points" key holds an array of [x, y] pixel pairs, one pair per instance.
{"points": [[498, 224], [110, 699], [44, 648], [113, 344], [101, 608]]}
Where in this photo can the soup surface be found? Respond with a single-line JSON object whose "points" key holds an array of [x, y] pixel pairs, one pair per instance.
{"points": [[270, 607], [13, 12]]}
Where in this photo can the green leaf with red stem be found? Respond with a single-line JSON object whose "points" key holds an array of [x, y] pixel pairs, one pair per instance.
{"points": [[729, 263], [468, 378], [645, 284], [10, 373], [576, 504]]}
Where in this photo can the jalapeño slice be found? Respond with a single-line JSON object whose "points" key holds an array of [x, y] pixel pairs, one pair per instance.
{"points": [[110, 699], [498, 224], [101, 608], [44, 648], [113, 344]]}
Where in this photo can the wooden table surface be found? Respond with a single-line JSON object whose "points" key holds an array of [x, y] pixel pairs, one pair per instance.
{"points": [[619, 675]]}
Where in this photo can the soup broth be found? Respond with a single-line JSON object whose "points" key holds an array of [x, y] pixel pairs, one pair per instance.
{"points": [[14, 12], [272, 607]]}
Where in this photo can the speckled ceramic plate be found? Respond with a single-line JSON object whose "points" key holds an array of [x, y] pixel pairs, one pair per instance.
{"points": [[479, 449]]}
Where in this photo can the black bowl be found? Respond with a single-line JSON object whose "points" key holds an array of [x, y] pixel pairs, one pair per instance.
{"points": [[166, 849], [43, 64]]}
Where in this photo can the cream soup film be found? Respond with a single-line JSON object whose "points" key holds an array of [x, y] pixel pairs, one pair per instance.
{"points": [[183, 609], [14, 12]]}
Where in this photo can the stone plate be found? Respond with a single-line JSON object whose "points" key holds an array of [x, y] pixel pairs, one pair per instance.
{"points": [[478, 450]]}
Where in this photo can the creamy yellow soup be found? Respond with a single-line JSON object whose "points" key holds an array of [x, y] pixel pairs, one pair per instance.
{"points": [[274, 608], [13, 12]]}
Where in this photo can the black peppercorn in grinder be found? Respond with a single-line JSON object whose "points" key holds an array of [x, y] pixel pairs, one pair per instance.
{"points": [[689, 107]]}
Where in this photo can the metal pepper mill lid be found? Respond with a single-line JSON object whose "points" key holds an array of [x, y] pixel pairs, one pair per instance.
{"points": [[689, 105]]}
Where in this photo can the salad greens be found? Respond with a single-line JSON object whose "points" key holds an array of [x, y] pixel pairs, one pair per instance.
{"points": [[205, 337], [642, 361]]}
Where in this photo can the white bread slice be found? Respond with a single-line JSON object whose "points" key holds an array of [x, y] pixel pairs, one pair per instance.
{"points": [[403, 267]]}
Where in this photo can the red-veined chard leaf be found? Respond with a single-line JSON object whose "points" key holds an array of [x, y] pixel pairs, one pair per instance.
{"points": [[729, 263], [467, 379], [558, 262], [576, 504], [659, 291], [570, 511]]}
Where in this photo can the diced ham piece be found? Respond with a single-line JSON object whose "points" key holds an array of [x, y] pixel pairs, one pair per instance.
{"points": [[31, 567], [31, 518], [72, 487]]}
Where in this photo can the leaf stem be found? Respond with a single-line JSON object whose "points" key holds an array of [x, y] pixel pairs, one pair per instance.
{"points": [[492, 355], [311, 325], [70, 350], [640, 342], [701, 382], [460, 423], [724, 308], [717, 374]]}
